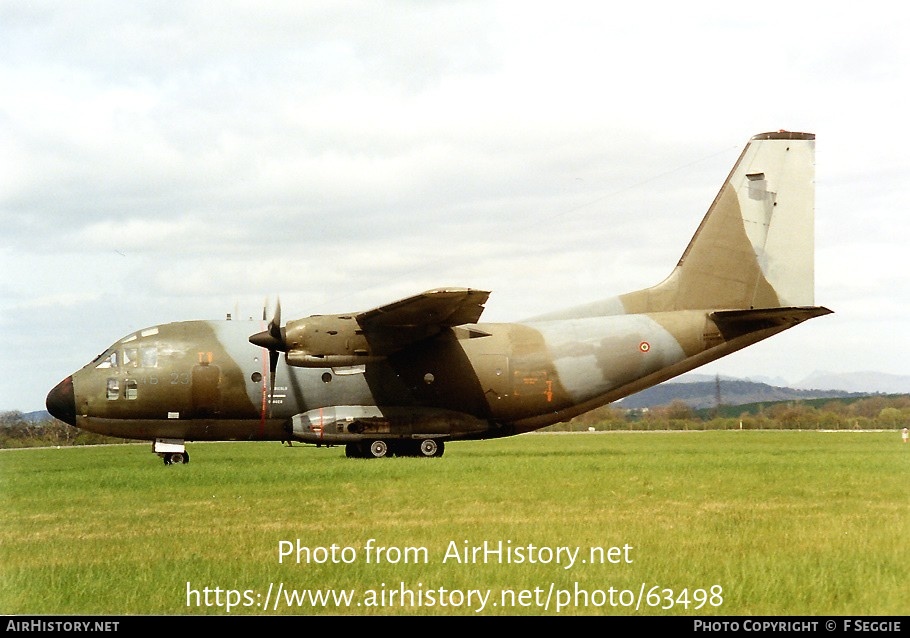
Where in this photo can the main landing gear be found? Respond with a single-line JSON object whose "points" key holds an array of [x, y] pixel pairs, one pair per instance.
{"points": [[380, 448]]}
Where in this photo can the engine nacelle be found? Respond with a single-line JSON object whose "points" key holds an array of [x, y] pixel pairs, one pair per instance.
{"points": [[304, 359], [326, 341]]}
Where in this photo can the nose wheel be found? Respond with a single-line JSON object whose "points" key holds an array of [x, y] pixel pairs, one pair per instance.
{"points": [[171, 451], [176, 458]]}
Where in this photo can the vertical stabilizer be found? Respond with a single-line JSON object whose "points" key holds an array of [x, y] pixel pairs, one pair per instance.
{"points": [[755, 246]]}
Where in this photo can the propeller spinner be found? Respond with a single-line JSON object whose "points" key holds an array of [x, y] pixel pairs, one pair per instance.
{"points": [[273, 340]]}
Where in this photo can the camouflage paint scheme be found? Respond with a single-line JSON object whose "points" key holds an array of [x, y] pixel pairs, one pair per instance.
{"points": [[409, 376]]}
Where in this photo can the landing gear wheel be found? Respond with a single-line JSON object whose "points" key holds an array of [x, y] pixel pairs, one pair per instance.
{"points": [[431, 448], [175, 458], [378, 449], [353, 451]]}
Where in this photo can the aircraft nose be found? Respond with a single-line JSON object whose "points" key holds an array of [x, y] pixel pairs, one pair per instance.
{"points": [[61, 401]]}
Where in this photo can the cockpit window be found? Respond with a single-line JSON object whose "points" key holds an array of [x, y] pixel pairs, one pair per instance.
{"points": [[130, 357], [109, 361], [149, 356], [142, 357]]}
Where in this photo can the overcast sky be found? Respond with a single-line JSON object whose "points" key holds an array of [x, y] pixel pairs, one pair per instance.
{"points": [[164, 161]]}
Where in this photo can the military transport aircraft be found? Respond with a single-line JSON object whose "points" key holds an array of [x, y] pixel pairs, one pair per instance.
{"points": [[408, 377]]}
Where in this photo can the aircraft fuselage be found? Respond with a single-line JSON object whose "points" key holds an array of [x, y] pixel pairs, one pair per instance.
{"points": [[203, 380]]}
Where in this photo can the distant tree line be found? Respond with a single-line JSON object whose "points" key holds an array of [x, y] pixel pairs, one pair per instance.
{"points": [[877, 412], [16, 430]]}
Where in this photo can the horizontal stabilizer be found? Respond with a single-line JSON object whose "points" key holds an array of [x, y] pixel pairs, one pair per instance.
{"points": [[733, 323]]}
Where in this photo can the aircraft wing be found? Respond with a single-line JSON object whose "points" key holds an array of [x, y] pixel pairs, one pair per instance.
{"points": [[442, 307], [399, 323]]}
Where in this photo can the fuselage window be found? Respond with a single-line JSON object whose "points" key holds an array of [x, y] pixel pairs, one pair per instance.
{"points": [[130, 389], [113, 389]]}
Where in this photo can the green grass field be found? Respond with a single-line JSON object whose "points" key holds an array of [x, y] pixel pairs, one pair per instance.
{"points": [[703, 523]]}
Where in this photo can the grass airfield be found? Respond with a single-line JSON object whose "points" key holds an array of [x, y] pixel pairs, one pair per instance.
{"points": [[658, 523]]}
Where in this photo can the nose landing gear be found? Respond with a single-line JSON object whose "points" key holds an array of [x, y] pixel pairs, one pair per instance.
{"points": [[175, 458], [171, 451]]}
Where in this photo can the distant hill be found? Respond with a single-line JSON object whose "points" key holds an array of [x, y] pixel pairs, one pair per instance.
{"points": [[35, 417], [865, 382], [703, 394]]}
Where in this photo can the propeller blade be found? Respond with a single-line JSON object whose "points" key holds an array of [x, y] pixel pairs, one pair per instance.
{"points": [[275, 323], [272, 339], [273, 367]]}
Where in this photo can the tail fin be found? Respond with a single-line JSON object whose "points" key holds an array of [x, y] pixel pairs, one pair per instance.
{"points": [[755, 247]]}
